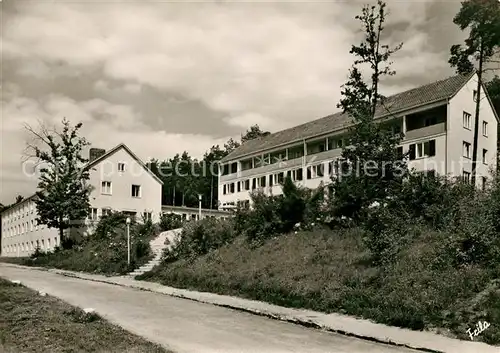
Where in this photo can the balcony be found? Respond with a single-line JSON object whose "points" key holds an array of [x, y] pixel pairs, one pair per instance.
{"points": [[290, 164], [425, 131]]}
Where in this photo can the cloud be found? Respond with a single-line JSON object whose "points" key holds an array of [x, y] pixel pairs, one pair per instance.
{"points": [[157, 75], [288, 63], [105, 125]]}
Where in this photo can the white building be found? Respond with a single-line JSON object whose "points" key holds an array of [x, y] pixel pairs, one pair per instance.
{"points": [[437, 121], [120, 182]]}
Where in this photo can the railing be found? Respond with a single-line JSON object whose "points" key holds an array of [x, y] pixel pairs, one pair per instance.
{"points": [[425, 131]]}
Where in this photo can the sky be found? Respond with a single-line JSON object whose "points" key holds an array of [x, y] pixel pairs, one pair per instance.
{"points": [[167, 76]]}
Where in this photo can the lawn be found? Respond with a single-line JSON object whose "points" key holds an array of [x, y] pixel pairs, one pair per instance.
{"points": [[30, 322], [331, 271]]}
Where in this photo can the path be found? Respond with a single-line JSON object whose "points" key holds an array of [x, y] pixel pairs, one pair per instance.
{"points": [[187, 326]]}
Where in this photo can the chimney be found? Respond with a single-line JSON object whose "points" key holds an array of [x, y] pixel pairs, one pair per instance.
{"points": [[95, 153]]}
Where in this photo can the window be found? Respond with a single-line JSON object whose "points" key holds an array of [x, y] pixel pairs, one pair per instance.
{"points": [[238, 186], [254, 183], [485, 129], [136, 191], [466, 120], [485, 154], [247, 184], [299, 174], [271, 180], [263, 181], [483, 183], [106, 211], [147, 216], [93, 214], [423, 149], [106, 187], [474, 95], [465, 177], [315, 171], [231, 188], [466, 149], [121, 167], [224, 189], [280, 177]]}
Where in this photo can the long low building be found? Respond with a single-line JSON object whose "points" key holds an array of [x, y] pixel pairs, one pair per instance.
{"points": [[437, 122], [120, 182], [193, 213]]}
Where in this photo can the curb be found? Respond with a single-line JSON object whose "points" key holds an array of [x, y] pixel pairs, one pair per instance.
{"points": [[447, 345]]}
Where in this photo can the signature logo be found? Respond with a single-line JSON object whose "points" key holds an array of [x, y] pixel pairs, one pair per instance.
{"points": [[480, 327]]}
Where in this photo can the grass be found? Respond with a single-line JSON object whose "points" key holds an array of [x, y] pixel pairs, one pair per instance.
{"points": [[32, 323], [330, 271]]}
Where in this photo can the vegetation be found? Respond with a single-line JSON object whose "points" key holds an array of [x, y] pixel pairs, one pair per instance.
{"points": [[372, 168], [169, 221], [184, 177], [104, 251], [482, 19], [372, 240], [62, 199], [32, 323]]}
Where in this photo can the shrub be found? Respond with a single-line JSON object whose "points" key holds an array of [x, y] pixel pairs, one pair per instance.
{"points": [[199, 238], [169, 221]]}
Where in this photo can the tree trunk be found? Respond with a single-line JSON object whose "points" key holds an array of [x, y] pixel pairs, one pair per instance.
{"points": [[211, 191], [476, 118]]}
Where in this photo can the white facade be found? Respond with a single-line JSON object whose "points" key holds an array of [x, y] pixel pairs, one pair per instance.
{"points": [[435, 131], [120, 182]]}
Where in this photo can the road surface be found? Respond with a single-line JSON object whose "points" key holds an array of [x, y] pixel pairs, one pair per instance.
{"points": [[186, 326]]}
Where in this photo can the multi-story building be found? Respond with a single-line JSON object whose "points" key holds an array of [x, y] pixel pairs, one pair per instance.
{"points": [[437, 122], [120, 182]]}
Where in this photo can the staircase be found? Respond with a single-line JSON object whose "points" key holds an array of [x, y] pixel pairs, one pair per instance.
{"points": [[163, 241]]}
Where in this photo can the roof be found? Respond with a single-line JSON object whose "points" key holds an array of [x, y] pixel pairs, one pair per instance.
{"points": [[96, 161], [115, 149], [412, 98]]}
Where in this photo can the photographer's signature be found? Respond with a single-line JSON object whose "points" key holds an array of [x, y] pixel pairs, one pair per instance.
{"points": [[480, 327]]}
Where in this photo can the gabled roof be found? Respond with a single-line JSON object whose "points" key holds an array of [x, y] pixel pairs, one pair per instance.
{"points": [[96, 161], [134, 156], [433, 92]]}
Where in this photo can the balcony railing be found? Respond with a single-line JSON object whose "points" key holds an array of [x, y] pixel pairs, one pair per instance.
{"points": [[425, 131]]}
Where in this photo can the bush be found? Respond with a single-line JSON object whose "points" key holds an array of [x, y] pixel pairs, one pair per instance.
{"points": [[199, 238], [169, 221]]}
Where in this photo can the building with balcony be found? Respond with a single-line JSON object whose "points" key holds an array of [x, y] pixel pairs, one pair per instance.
{"points": [[436, 120], [120, 181]]}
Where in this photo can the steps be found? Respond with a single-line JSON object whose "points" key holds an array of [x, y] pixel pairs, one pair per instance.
{"points": [[163, 241]]}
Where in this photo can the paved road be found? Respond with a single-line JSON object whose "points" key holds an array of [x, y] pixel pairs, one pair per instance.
{"points": [[186, 326]]}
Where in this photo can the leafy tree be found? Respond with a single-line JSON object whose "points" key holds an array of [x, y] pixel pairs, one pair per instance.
{"points": [[482, 18], [19, 198], [493, 88], [372, 167], [231, 145], [253, 133], [62, 198]]}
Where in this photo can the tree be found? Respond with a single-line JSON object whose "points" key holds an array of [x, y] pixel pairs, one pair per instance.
{"points": [[19, 198], [482, 18], [253, 133], [231, 145], [371, 166], [493, 89], [62, 199]]}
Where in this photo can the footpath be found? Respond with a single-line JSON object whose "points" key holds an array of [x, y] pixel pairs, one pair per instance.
{"points": [[343, 324]]}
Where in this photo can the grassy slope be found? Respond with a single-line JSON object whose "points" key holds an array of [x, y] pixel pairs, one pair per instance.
{"points": [[32, 323], [329, 272], [95, 256]]}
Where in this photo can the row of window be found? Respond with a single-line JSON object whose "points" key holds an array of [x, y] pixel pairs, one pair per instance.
{"points": [[30, 246], [94, 214], [467, 123], [14, 215], [107, 189], [467, 152], [23, 228], [312, 172]]}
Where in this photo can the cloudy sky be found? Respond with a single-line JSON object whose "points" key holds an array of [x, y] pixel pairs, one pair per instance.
{"points": [[168, 76]]}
